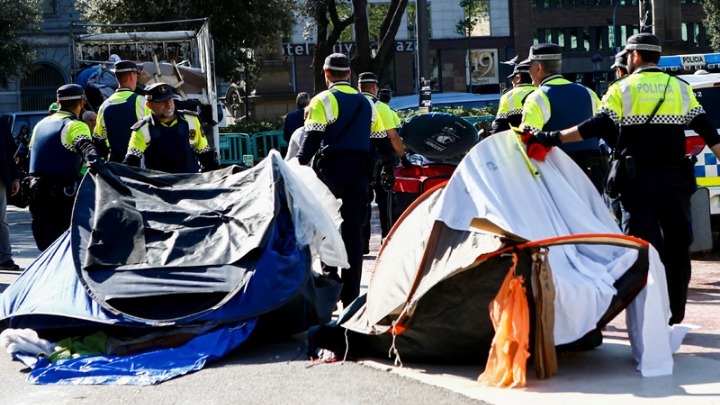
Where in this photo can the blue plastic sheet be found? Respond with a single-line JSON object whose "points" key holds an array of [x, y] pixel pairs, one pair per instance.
{"points": [[141, 369]]}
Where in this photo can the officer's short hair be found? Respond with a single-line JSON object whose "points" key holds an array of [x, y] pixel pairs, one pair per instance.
{"points": [[384, 95], [336, 75], [302, 99], [551, 67], [525, 78], [649, 57]]}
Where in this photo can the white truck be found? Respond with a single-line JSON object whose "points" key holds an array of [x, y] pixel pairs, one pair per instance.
{"points": [[184, 59], [702, 71]]}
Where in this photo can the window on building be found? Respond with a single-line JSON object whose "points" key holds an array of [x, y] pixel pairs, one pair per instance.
{"points": [[481, 26], [695, 34], [37, 89], [542, 35]]}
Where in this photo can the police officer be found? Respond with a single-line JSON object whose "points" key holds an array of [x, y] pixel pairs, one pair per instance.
{"points": [[57, 145], [383, 177], [558, 103], [511, 103], [170, 141], [385, 95], [344, 120], [120, 111], [620, 65], [655, 196]]}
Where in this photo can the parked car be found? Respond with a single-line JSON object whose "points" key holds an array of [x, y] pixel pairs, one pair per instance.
{"points": [[15, 120]]}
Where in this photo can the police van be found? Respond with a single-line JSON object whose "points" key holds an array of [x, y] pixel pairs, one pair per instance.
{"points": [[702, 72]]}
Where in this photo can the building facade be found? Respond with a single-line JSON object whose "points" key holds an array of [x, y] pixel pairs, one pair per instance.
{"points": [[458, 62], [53, 63], [469, 60], [590, 31]]}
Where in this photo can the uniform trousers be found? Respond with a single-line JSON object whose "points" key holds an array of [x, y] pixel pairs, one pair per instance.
{"points": [[656, 208], [51, 203], [378, 192], [346, 175]]}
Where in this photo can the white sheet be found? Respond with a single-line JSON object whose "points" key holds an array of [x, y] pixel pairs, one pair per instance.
{"points": [[494, 182], [315, 211]]}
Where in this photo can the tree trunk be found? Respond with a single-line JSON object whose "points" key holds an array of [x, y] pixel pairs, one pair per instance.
{"points": [[386, 47], [363, 60], [326, 13]]}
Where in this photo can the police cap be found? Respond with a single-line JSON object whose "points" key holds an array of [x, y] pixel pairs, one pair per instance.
{"points": [[69, 92], [644, 42], [158, 92], [541, 52], [384, 95], [338, 62], [367, 77], [520, 68], [620, 60], [125, 66]]}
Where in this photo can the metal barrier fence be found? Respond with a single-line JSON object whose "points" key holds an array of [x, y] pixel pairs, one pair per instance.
{"points": [[233, 147], [263, 142], [237, 148]]}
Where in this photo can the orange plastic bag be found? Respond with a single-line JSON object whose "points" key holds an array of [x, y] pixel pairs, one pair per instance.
{"points": [[507, 362]]}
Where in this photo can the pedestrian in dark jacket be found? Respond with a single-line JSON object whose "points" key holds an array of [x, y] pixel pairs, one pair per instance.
{"points": [[9, 186], [295, 119]]}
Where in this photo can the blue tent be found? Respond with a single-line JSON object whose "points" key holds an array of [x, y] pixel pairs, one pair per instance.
{"points": [[154, 252]]}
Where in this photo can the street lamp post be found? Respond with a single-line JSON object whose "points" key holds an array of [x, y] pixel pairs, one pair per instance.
{"points": [[597, 65], [616, 44]]}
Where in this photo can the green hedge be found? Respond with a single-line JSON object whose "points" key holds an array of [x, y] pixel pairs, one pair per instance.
{"points": [[251, 127], [459, 111], [276, 123]]}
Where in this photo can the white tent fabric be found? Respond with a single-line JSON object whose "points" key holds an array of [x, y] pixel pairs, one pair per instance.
{"points": [[315, 211], [495, 182]]}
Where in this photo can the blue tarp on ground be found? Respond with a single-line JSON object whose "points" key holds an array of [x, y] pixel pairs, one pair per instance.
{"points": [[141, 369]]}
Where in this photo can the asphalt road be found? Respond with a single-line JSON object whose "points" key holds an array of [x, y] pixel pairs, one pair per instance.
{"points": [[280, 372]]}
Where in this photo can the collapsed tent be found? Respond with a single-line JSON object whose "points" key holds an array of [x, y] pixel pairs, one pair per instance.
{"points": [[436, 274], [151, 252]]}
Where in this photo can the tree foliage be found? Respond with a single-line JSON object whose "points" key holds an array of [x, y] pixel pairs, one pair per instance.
{"points": [[712, 22], [371, 36], [236, 26], [17, 54]]}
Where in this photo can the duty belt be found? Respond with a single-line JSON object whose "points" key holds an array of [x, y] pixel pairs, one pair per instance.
{"points": [[54, 184]]}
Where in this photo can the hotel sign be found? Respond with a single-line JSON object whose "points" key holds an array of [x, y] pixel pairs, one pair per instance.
{"points": [[306, 48]]}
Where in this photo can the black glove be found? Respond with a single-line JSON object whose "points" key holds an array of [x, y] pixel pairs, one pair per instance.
{"points": [[387, 177], [407, 164], [551, 138], [98, 167]]}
